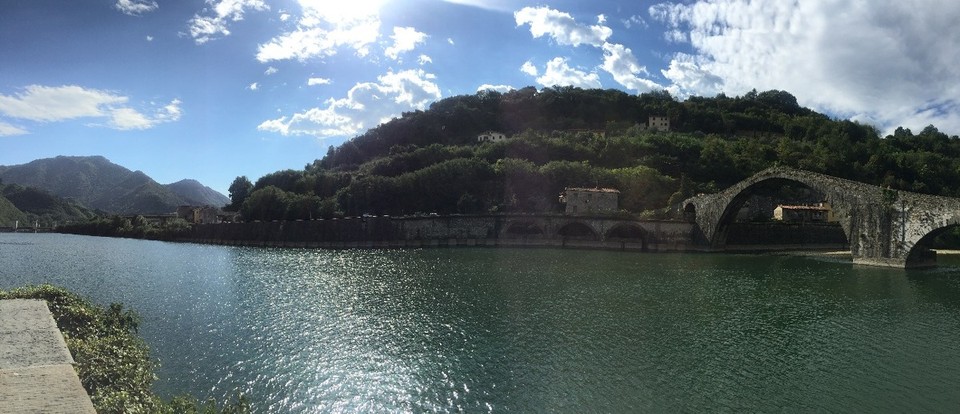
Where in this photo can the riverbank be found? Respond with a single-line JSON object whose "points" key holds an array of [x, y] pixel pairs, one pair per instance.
{"points": [[112, 363]]}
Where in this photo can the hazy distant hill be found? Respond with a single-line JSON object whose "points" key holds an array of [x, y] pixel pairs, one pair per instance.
{"points": [[198, 194], [97, 183]]}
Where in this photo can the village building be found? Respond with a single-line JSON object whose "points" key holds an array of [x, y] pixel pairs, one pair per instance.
{"points": [[491, 136], [817, 213], [658, 123], [199, 215], [590, 200]]}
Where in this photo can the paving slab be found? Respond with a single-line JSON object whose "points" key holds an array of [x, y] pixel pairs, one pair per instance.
{"points": [[36, 368]]}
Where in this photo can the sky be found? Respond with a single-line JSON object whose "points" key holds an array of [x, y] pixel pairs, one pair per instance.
{"points": [[215, 89]]}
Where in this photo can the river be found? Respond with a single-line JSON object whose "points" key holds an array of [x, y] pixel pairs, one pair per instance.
{"points": [[520, 330]]}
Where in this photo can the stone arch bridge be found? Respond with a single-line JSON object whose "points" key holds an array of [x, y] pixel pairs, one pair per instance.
{"points": [[884, 227]]}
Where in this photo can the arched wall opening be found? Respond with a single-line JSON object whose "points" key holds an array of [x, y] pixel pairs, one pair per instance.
{"points": [[579, 231], [627, 233], [689, 212]]}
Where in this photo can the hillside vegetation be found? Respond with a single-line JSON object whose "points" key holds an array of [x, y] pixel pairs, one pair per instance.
{"points": [[42, 208], [429, 161], [10, 214]]}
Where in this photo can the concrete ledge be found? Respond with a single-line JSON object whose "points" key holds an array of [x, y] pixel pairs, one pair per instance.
{"points": [[36, 368], [43, 389]]}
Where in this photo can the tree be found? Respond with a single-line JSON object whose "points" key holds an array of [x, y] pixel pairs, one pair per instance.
{"points": [[239, 191], [269, 203]]}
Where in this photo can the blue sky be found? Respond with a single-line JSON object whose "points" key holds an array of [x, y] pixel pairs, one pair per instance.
{"points": [[219, 88]]}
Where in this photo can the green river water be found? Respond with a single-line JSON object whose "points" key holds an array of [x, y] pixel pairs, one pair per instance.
{"points": [[521, 330]]}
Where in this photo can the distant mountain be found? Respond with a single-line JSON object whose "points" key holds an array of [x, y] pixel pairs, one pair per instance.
{"points": [[97, 183], [198, 194]]}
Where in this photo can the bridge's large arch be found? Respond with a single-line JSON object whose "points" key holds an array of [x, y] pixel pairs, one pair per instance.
{"points": [[738, 199], [578, 230], [920, 254]]}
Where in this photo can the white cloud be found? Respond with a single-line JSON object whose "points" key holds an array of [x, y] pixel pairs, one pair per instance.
{"points": [[561, 27], [8, 130], [44, 103], [149, 38], [675, 36], [127, 118], [253, 86], [323, 30], [318, 81], [623, 66], [136, 7], [559, 73], [424, 59], [171, 112], [529, 68], [51, 104], [284, 17], [365, 106], [618, 61], [886, 60], [214, 23], [497, 88], [634, 20], [450, 41], [270, 71], [690, 79], [492, 5], [405, 39], [305, 43]]}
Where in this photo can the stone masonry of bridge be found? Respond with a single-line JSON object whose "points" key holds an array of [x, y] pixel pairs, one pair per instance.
{"points": [[884, 227]]}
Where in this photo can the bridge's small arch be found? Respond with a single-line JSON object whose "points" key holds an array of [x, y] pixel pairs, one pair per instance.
{"points": [[629, 233], [523, 229], [578, 230], [626, 231], [921, 254]]}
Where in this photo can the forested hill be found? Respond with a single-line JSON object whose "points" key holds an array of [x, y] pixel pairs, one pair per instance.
{"points": [[430, 161], [31, 206]]}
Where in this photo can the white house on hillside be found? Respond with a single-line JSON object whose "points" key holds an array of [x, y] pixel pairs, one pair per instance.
{"points": [[491, 136], [658, 123]]}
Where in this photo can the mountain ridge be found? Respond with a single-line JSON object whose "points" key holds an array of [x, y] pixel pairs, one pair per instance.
{"points": [[97, 183]]}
